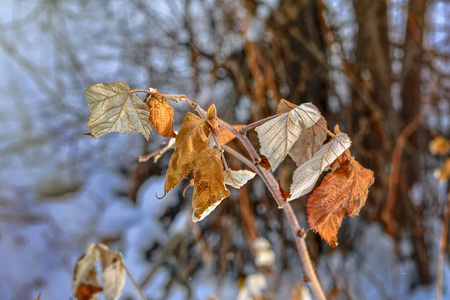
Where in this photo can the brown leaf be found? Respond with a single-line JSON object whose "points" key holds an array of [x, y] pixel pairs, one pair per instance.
{"points": [[264, 163], [226, 136], [344, 191], [284, 194], [190, 141], [85, 283], [161, 114], [443, 173], [439, 145], [209, 188], [285, 106], [87, 291], [212, 119]]}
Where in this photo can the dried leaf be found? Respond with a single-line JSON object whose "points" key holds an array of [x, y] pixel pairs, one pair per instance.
{"points": [[285, 106], [211, 115], [226, 136], [343, 191], [85, 282], [310, 139], [285, 194], [190, 141], [238, 178], [439, 145], [306, 176], [308, 143], [264, 162], [443, 173], [114, 109], [113, 274], [278, 135], [209, 188], [161, 114]]}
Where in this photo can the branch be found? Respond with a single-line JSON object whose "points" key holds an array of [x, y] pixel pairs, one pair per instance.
{"points": [[397, 155], [271, 183]]}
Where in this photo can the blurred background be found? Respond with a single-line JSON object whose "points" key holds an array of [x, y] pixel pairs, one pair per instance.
{"points": [[378, 68]]}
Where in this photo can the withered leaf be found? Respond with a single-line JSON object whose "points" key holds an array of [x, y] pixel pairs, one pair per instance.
{"points": [[190, 141], [85, 283], [285, 106], [341, 192], [238, 178], [277, 136], [113, 109], [443, 173], [226, 136], [308, 143], [161, 114], [113, 274], [439, 145], [209, 188], [211, 115], [306, 176], [310, 138]]}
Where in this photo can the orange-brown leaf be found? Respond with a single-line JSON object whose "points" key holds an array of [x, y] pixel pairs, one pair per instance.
{"points": [[87, 291], [443, 173], [265, 163], [161, 114], [226, 136], [211, 115], [209, 188], [439, 145], [190, 141], [343, 191]]}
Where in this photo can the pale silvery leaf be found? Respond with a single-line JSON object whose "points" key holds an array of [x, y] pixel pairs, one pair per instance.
{"points": [[278, 135], [309, 142], [114, 109], [237, 178], [84, 267], [308, 173], [113, 274]]}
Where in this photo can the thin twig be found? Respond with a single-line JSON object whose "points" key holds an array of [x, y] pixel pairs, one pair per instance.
{"points": [[240, 157], [134, 282], [442, 246]]}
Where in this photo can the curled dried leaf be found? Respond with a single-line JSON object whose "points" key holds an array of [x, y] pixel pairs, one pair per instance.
{"points": [[209, 188], [161, 114], [238, 178], [190, 141], [113, 108], [306, 176], [85, 283], [211, 115], [113, 274], [277, 136]]}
